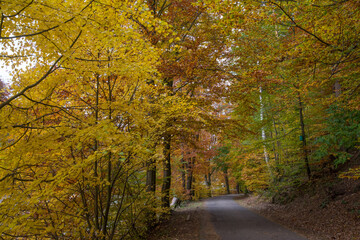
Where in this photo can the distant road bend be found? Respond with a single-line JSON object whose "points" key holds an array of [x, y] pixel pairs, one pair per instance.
{"points": [[234, 222]]}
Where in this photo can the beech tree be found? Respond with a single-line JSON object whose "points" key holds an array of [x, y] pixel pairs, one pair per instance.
{"points": [[68, 160], [76, 140]]}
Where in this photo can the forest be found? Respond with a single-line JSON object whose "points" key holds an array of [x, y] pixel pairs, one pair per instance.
{"points": [[116, 107]]}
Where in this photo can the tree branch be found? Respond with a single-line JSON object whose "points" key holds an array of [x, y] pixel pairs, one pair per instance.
{"points": [[51, 70], [298, 26], [42, 31]]}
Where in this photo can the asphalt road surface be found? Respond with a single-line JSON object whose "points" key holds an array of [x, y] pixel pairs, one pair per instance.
{"points": [[234, 222]]}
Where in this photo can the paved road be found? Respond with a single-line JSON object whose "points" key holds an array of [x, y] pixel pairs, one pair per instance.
{"points": [[234, 222]]}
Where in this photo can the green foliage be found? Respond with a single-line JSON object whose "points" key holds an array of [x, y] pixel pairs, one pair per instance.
{"points": [[222, 158], [342, 133]]}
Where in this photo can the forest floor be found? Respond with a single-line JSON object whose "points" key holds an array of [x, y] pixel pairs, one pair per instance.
{"points": [[324, 210], [184, 223]]}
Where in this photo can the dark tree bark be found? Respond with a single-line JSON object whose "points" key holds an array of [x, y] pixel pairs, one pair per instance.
{"points": [[165, 191], [305, 152], [208, 182], [151, 187], [151, 176], [237, 188], [189, 179], [226, 181], [183, 174]]}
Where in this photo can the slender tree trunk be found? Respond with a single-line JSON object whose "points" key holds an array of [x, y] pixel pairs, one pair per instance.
{"points": [[237, 188], [109, 167], [227, 181], [208, 183], [189, 180], [97, 189], [165, 191], [276, 155], [151, 176], [151, 187], [150, 214], [151, 163], [183, 174], [192, 191], [263, 135], [305, 152], [278, 145]]}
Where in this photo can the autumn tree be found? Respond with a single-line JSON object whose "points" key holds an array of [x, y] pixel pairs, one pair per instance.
{"points": [[303, 57], [74, 143], [189, 68], [112, 87]]}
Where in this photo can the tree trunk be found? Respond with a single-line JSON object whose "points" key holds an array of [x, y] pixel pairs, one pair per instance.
{"points": [[151, 164], [97, 188], [151, 187], [278, 144], [183, 175], [192, 191], [189, 180], [165, 191], [151, 176], [226, 181], [208, 183], [263, 135], [238, 188], [306, 159]]}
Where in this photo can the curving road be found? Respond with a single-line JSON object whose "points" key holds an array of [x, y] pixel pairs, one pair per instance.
{"points": [[234, 222]]}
